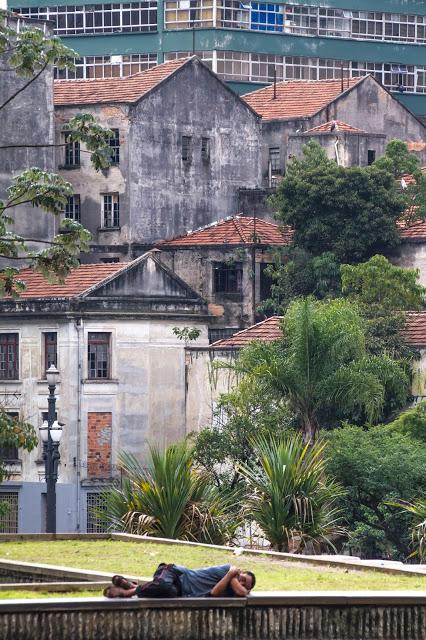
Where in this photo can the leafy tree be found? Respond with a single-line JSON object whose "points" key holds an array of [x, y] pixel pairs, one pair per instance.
{"points": [[247, 411], [377, 466], [350, 212], [289, 495], [321, 368], [411, 423], [169, 498], [26, 55]]}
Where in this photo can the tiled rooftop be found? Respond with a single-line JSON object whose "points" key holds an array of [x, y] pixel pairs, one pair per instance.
{"points": [[78, 281], [297, 98], [128, 90], [415, 328], [410, 179], [334, 125], [235, 230], [267, 330]]}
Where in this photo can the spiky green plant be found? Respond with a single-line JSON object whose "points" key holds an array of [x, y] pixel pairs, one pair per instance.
{"points": [[289, 495], [169, 498], [417, 509]]}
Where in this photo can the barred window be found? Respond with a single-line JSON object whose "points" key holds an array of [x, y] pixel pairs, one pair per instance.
{"points": [[228, 277], [99, 356], [205, 149], [114, 143], [9, 356], [72, 208], [95, 503], [221, 334], [72, 152], [9, 519], [275, 159], [186, 149], [111, 210]]}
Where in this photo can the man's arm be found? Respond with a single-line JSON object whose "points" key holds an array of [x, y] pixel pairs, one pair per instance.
{"points": [[228, 580]]}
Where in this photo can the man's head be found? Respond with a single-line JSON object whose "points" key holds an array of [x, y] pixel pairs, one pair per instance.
{"points": [[247, 579]]}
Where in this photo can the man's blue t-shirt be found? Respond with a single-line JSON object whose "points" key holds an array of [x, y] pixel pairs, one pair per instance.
{"points": [[197, 583]]}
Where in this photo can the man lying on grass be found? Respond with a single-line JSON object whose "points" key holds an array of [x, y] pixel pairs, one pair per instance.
{"points": [[172, 581]]}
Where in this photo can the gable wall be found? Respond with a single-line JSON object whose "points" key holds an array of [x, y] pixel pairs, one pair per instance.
{"points": [[169, 196]]}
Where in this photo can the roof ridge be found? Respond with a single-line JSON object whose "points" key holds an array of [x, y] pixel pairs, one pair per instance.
{"points": [[240, 230]]}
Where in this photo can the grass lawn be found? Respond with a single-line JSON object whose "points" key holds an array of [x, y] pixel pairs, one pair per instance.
{"points": [[141, 559]]}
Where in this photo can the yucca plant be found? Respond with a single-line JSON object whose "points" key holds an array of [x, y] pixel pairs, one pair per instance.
{"points": [[417, 509], [169, 498], [290, 497]]}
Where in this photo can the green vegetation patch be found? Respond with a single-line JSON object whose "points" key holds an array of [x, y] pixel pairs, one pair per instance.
{"points": [[142, 558]]}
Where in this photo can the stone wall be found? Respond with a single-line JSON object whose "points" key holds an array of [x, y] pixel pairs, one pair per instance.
{"points": [[303, 616]]}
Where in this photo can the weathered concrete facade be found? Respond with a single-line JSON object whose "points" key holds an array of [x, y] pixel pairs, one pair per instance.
{"points": [[161, 194], [367, 106], [27, 120], [346, 148], [139, 402]]}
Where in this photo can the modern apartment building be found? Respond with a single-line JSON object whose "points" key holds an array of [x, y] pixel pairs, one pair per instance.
{"points": [[248, 42]]}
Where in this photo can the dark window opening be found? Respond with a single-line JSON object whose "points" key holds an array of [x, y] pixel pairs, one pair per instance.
{"points": [[371, 156], [99, 356], [10, 454], [114, 143], [72, 208], [275, 159], [205, 149], [50, 350], [110, 260], [221, 334], [186, 148], [9, 356], [111, 210], [265, 281], [72, 152], [228, 278]]}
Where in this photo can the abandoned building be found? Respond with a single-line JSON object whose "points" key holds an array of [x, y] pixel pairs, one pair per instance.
{"points": [[109, 330], [293, 112], [183, 144], [226, 263], [22, 144]]}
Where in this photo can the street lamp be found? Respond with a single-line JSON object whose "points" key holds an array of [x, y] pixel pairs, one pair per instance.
{"points": [[50, 434]]}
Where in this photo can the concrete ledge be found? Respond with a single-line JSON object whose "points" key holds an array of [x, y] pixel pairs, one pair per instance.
{"points": [[54, 586], [289, 616]]}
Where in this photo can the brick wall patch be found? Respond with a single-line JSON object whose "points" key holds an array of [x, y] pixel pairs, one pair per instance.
{"points": [[99, 434]]}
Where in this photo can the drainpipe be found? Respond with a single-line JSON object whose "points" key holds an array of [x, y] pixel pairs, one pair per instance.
{"points": [[79, 327]]}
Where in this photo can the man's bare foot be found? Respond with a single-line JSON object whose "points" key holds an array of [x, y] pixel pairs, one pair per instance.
{"points": [[119, 592]]}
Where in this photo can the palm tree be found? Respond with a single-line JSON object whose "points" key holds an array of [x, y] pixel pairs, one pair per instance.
{"points": [[169, 498], [289, 496], [417, 508], [321, 366]]}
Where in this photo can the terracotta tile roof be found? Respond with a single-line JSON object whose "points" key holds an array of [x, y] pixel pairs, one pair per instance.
{"points": [[235, 230], [410, 179], [129, 89], [297, 98], [334, 125], [267, 330], [415, 328], [78, 281]]}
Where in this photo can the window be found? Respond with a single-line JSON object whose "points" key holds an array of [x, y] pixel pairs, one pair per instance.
{"points": [[110, 260], [266, 281], [371, 156], [50, 340], [111, 210], [228, 277], [205, 149], [72, 208], [72, 152], [9, 520], [113, 66], [114, 143], [274, 159], [10, 454], [186, 148], [221, 334], [9, 356], [94, 504], [99, 356]]}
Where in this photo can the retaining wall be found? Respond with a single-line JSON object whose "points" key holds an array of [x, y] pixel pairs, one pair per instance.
{"points": [[296, 616]]}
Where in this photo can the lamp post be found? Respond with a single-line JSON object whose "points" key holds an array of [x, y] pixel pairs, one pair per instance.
{"points": [[50, 433]]}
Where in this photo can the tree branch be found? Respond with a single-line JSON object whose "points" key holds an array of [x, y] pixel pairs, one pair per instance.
{"points": [[13, 96]]}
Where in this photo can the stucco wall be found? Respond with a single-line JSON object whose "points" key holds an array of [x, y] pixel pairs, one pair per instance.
{"points": [[169, 196], [27, 119], [352, 148]]}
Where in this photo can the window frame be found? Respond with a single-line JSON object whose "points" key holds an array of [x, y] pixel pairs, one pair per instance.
{"points": [[110, 210], [114, 143], [73, 208], [4, 341], [223, 273], [72, 153], [99, 342], [46, 357]]}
